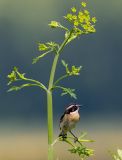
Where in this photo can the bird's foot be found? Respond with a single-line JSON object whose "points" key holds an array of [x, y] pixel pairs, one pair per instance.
{"points": [[75, 139], [63, 136]]}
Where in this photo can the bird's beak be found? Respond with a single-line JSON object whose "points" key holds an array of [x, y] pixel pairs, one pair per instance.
{"points": [[78, 105]]}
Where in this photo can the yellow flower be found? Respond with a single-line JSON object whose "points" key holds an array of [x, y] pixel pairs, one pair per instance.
{"points": [[86, 11], [80, 13], [73, 9], [68, 17], [42, 47], [85, 26], [74, 17], [94, 19], [76, 23], [54, 24], [83, 4]]}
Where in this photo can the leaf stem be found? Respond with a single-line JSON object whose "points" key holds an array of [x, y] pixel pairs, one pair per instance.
{"points": [[37, 82], [40, 56], [59, 79]]}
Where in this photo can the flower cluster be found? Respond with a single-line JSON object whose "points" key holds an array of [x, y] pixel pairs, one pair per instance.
{"points": [[75, 71], [54, 24], [12, 77], [81, 19], [15, 75]]}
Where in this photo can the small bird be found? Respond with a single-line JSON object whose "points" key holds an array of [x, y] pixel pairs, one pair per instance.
{"points": [[69, 119]]}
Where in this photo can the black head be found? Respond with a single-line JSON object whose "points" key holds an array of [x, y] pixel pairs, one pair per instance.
{"points": [[72, 108]]}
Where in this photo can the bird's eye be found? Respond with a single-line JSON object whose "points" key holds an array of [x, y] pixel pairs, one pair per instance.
{"points": [[74, 108]]}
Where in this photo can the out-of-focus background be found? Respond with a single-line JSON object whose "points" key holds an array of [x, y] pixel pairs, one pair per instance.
{"points": [[23, 126]]}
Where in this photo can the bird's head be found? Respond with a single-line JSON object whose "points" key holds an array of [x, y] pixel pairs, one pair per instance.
{"points": [[72, 108]]}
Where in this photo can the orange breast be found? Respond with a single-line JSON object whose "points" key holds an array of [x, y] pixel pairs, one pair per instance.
{"points": [[74, 117]]}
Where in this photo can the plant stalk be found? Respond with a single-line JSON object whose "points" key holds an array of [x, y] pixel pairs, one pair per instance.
{"points": [[50, 108], [50, 100], [50, 124]]}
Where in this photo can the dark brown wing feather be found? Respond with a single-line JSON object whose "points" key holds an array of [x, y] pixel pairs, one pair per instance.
{"points": [[62, 117]]}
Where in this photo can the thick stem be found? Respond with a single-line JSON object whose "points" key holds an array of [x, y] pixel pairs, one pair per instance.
{"points": [[50, 125], [50, 101], [50, 108], [52, 74]]}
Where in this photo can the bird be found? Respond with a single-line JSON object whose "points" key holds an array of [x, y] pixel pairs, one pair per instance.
{"points": [[69, 119]]}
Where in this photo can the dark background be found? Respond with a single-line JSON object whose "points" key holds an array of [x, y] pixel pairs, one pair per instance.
{"points": [[99, 86]]}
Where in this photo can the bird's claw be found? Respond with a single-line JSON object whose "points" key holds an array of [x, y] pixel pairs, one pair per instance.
{"points": [[75, 139], [64, 136]]}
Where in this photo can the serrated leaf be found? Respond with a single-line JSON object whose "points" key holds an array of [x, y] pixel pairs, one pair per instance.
{"points": [[16, 88], [66, 66], [52, 44], [82, 151], [69, 91], [64, 63], [35, 60]]}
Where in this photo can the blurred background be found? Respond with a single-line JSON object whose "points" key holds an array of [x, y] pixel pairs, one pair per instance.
{"points": [[23, 125]]}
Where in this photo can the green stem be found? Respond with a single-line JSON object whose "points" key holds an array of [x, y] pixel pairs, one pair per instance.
{"points": [[69, 142], [50, 101], [60, 87], [52, 74], [36, 82], [58, 80], [50, 108], [65, 42], [50, 124]]}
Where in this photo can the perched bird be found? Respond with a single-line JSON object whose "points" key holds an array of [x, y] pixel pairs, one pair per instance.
{"points": [[69, 119]]}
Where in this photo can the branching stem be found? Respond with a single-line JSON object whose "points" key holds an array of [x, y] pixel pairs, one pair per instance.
{"points": [[61, 78], [50, 101], [36, 83]]}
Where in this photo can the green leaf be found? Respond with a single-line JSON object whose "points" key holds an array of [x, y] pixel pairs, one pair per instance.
{"points": [[35, 60], [64, 63], [82, 135], [16, 88], [75, 71], [52, 44], [15, 76], [42, 47], [69, 91], [47, 46], [66, 66], [82, 151]]}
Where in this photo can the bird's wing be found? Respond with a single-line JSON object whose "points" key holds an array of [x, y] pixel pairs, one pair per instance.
{"points": [[62, 117]]}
